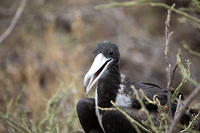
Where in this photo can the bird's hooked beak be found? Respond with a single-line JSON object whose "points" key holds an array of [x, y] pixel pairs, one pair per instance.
{"points": [[99, 66]]}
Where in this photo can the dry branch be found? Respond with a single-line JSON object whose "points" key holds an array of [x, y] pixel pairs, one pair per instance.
{"points": [[168, 65], [14, 21], [178, 105]]}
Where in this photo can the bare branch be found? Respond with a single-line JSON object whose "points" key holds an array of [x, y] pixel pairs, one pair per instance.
{"points": [[14, 21], [178, 105], [188, 101], [168, 65]]}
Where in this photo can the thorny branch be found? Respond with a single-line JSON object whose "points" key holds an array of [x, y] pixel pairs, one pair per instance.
{"points": [[14, 21], [168, 65]]}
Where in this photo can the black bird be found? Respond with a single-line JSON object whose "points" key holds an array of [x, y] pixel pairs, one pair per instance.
{"points": [[112, 85]]}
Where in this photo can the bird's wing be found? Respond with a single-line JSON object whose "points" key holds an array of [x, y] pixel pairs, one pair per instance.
{"points": [[150, 90]]}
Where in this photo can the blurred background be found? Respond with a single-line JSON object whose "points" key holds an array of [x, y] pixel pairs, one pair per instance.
{"points": [[44, 59]]}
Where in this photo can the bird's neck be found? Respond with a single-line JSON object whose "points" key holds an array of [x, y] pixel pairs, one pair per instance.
{"points": [[108, 86]]}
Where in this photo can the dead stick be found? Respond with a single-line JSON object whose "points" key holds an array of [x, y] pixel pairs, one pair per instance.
{"points": [[178, 105], [168, 65]]}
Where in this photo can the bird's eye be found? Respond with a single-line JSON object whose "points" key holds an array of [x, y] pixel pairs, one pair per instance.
{"points": [[110, 52]]}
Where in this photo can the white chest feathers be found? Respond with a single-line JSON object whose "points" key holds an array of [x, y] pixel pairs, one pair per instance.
{"points": [[122, 99]]}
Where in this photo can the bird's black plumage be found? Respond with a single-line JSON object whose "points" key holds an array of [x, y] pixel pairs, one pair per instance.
{"points": [[86, 110], [112, 85]]}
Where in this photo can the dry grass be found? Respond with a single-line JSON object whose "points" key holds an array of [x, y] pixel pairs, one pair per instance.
{"points": [[32, 70]]}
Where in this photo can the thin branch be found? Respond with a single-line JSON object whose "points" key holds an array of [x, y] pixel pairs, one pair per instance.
{"points": [[143, 108], [188, 101], [184, 72], [186, 76], [191, 124], [148, 2], [168, 65], [186, 15], [173, 73], [118, 4], [177, 90], [106, 109], [178, 105], [14, 21], [190, 51], [134, 122]]}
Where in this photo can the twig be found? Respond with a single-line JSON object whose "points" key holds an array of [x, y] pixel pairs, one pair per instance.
{"points": [[148, 2], [185, 73], [186, 47], [147, 99], [118, 4], [168, 65], [177, 90], [178, 105], [190, 126], [14, 21], [173, 73], [144, 108], [188, 101], [134, 122], [106, 109], [186, 15]]}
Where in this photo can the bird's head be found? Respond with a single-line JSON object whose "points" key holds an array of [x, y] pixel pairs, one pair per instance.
{"points": [[107, 54]]}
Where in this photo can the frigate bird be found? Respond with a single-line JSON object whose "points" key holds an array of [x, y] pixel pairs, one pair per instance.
{"points": [[111, 85]]}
